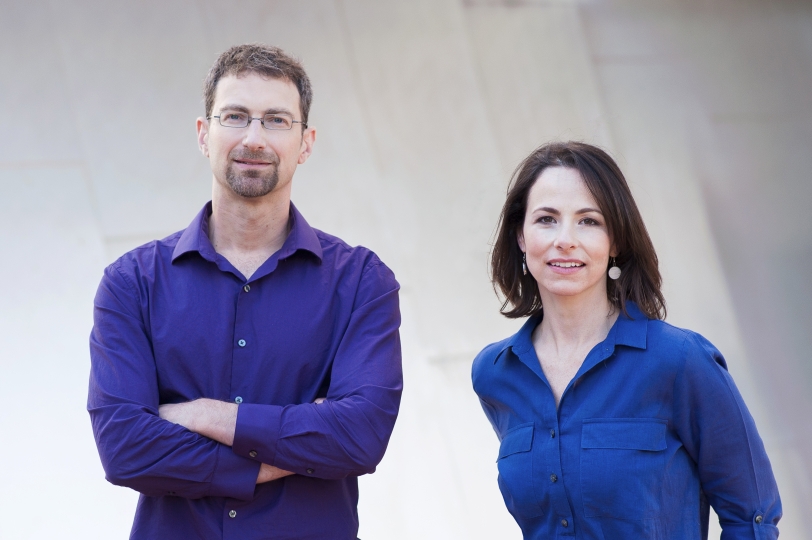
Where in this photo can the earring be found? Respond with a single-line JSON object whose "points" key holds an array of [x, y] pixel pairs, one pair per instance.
{"points": [[524, 264], [614, 271]]}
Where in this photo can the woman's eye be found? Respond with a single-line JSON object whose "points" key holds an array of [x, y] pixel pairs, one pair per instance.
{"points": [[546, 219], [589, 221]]}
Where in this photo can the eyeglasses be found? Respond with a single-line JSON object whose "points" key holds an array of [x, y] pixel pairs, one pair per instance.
{"points": [[240, 119]]}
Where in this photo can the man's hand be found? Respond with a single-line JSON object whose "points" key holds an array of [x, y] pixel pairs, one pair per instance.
{"points": [[214, 419], [269, 473]]}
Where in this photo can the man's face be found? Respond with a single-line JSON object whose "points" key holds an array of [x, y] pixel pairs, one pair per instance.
{"points": [[253, 161]]}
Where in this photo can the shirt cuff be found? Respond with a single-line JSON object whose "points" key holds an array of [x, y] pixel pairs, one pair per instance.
{"points": [[257, 432], [234, 476]]}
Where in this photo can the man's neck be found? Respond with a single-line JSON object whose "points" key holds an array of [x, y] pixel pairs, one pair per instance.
{"points": [[248, 231]]}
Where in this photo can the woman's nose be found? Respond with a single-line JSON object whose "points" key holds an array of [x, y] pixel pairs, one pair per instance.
{"points": [[565, 237]]}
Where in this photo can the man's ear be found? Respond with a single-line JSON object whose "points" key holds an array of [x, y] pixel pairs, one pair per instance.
{"points": [[308, 140], [203, 135]]}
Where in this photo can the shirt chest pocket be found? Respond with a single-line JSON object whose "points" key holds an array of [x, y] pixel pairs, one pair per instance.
{"points": [[622, 467], [517, 466]]}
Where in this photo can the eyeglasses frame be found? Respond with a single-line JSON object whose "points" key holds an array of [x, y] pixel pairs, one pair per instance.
{"points": [[261, 121]]}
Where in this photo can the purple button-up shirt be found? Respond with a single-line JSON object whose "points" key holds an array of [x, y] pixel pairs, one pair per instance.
{"points": [[175, 321]]}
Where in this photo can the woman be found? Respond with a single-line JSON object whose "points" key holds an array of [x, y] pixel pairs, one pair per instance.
{"points": [[614, 425]]}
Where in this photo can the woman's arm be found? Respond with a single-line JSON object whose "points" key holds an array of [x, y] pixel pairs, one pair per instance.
{"points": [[719, 433]]}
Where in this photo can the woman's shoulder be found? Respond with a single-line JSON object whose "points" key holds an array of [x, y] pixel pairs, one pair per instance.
{"points": [[488, 355], [682, 343]]}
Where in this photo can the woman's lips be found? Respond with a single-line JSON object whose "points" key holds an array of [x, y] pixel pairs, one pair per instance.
{"points": [[565, 267]]}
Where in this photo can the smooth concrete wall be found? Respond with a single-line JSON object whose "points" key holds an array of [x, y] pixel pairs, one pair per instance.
{"points": [[423, 109]]}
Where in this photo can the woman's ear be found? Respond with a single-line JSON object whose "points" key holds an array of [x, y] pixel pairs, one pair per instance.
{"points": [[520, 240]]}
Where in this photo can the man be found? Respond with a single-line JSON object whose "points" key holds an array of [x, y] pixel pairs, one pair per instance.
{"points": [[246, 370]]}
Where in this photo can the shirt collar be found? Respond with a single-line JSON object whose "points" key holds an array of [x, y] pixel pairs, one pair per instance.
{"points": [[196, 237], [631, 330], [628, 330]]}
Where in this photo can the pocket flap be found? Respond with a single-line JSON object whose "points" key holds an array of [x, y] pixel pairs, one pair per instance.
{"points": [[624, 433], [518, 439]]}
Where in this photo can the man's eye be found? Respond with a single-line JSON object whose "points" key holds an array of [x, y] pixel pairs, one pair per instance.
{"points": [[278, 121], [233, 118]]}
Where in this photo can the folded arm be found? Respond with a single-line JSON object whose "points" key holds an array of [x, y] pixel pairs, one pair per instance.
{"points": [[138, 449], [348, 432], [216, 420]]}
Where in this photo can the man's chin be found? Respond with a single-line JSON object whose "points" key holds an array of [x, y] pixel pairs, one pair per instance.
{"points": [[252, 187]]}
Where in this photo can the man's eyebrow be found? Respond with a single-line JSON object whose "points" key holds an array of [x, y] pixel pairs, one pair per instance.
{"points": [[241, 108], [229, 107], [278, 110]]}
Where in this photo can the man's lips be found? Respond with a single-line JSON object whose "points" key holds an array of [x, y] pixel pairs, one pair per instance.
{"points": [[252, 162]]}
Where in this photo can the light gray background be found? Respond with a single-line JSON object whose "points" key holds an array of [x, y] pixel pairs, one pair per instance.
{"points": [[423, 108]]}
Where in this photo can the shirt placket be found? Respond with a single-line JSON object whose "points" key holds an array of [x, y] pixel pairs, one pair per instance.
{"points": [[565, 525], [244, 354], [244, 348]]}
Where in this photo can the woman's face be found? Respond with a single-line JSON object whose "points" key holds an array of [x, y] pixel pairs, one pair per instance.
{"points": [[565, 237]]}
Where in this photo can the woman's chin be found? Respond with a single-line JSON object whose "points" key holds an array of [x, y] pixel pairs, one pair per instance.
{"points": [[573, 291]]}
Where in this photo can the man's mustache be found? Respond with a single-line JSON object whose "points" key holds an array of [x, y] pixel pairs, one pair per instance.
{"points": [[245, 155]]}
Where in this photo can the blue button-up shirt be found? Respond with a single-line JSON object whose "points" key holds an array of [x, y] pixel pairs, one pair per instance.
{"points": [[649, 431], [175, 321]]}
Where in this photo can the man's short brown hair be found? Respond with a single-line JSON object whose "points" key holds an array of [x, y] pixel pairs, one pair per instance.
{"points": [[266, 60]]}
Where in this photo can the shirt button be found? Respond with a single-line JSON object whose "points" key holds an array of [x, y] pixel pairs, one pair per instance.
{"points": [[238, 400], [241, 343], [564, 523], [310, 471], [552, 434], [252, 453], [553, 478], [232, 514], [759, 519], [247, 288]]}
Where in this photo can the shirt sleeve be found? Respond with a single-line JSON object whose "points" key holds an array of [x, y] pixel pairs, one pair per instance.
{"points": [[719, 433], [348, 433], [138, 449]]}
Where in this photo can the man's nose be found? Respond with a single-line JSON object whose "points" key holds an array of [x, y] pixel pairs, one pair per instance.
{"points": [[254, 134]]}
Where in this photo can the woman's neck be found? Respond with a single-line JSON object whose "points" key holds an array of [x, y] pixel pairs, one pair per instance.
{"points": [[572, 323]]}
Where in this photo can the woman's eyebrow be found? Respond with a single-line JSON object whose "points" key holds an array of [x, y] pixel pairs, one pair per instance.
{"points": [[547, 209], [556, 212]]}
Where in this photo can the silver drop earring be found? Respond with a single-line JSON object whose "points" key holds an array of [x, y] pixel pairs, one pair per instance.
{"points": [[524, 264], [614, 271]]}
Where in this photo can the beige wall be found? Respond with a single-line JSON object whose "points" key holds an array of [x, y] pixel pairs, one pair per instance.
{"points": [[422, 108]]}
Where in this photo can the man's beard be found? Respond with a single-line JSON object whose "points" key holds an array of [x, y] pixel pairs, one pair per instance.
{"points": [[253, 184]]}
